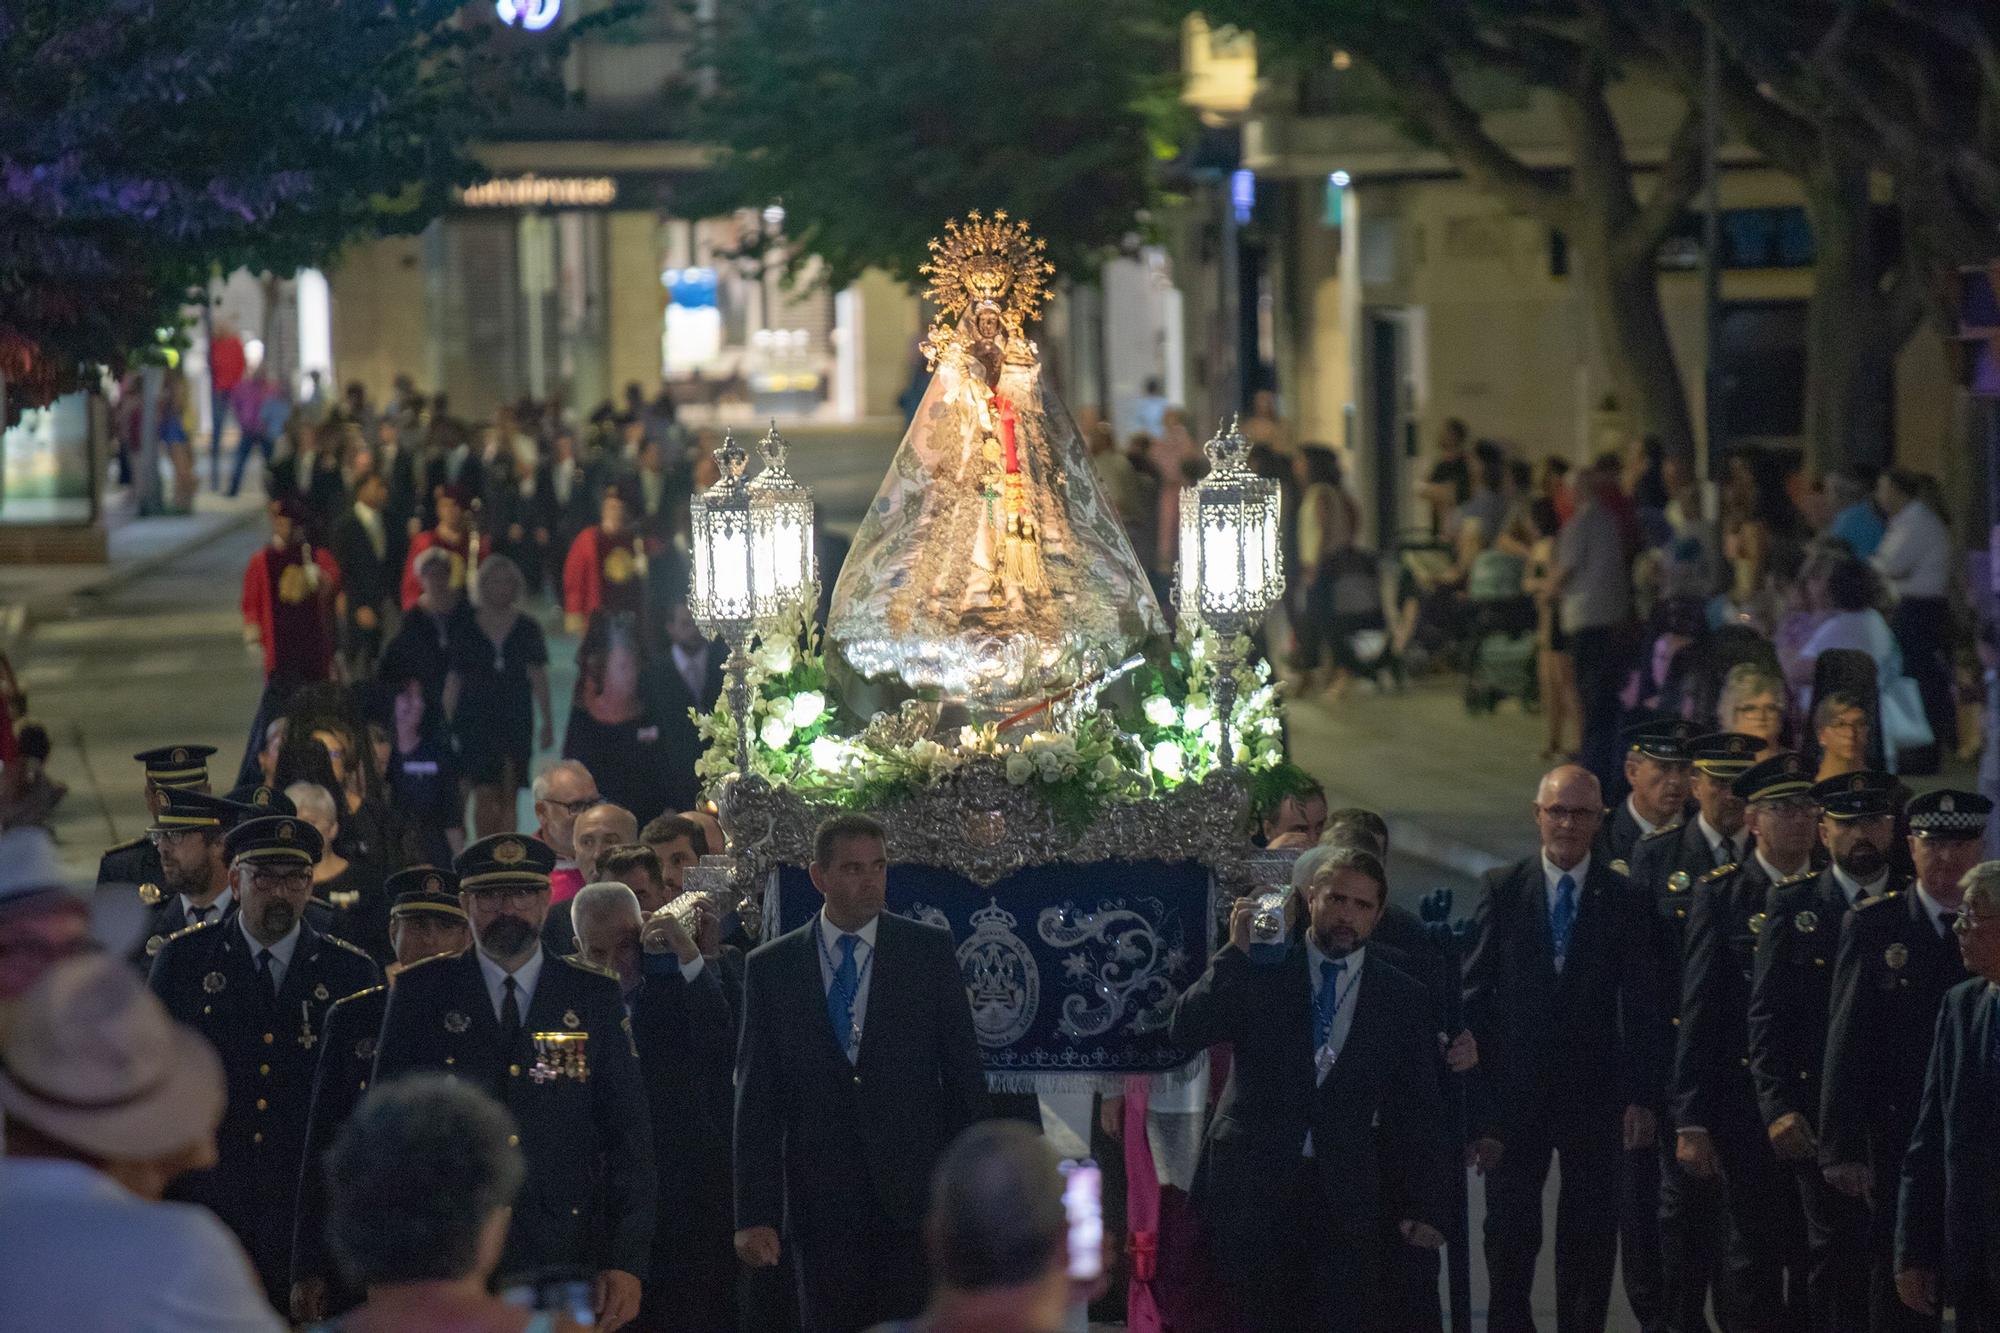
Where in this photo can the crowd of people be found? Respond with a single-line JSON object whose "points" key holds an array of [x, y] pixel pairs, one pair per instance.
{"points": [[391, 1067]]}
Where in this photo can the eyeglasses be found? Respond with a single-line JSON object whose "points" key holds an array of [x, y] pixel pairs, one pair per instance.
{"points": [[1569, 814], [170, 837], [1852, 724], [1759, 710], [579, 805], [281, 880], [495, 899]]}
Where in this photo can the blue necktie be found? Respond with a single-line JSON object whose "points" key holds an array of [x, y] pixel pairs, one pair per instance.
{"points": [[840, 995], [1327, 1003], [1562, 920]]}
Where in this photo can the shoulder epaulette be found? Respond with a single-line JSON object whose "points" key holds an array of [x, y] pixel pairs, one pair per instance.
{"points": [[1802, 877], [1661, 832], [401, 969], [581, 965], [365, 990], [189, 930], [1719, 872], [1876, 900], [131, 845], [351, 948]]}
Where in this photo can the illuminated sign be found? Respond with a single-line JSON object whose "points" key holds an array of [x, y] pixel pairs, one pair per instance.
{"points": [[532, 191], [533, 15]]}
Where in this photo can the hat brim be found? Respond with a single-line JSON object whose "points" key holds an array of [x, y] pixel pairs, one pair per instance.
{"points": [[183, 1106]]}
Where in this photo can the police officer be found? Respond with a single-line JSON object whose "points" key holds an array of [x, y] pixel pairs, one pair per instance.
{"points": [[169, 768], [550, 1038], [1665, 865], [425, 920], [193, 884], [1895, 962], [258, 986], [1789, 1000], [1718, 1129], [1658, 771]]}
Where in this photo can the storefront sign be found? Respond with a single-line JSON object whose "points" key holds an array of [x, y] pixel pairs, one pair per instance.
{"points": [[532, 191]]}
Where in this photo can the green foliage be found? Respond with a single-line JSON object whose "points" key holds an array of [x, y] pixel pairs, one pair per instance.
{"points": [[874, 122]]}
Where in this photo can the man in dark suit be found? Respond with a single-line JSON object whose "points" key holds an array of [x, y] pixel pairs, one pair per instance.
{"points": [[1895, 962], [1332, 1117], [691, 678], [857, 1066], [1719, 1134], [1947, 1246], [1658, 770], [364, 545], [1665, 864], [1557, 993], [258, 984], [549, 1037], [1790, 995], [425, 921], [566, 499], [171, 767], [687, 1050]]}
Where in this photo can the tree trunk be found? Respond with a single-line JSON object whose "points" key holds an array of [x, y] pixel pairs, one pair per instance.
{"points": [[1624, 292], [146, 479], [1851, 334]]}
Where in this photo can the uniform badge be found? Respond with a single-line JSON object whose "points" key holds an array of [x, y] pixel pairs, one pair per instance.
{"points": [[509, 852], [364, 1049], [150, 894], [433, 884], [456, 1023], [1756, 922], [214, 982], [1896, 955], [1678, 881], [180, 755], [319, 992], [570, 1020], [286, 832], [1620, 866], [154, 943], [1806, 922], [561, 1055]]}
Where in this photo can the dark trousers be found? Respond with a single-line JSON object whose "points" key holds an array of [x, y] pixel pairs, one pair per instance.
{"points": [[1693, 1228], [692, 1285], [1599, 653], [250, 439], [1290, 1262], [1836, 1253], [856, 1277], [1586, 1149], [1766, 1253], [1639, 1239], [1923, 631]]}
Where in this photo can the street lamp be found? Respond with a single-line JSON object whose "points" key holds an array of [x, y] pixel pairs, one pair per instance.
{"points": [[1229, 572], [781, 538], [723, 594]]}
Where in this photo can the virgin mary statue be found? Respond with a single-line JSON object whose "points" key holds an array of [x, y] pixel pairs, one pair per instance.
{"points": [[989, 571]]}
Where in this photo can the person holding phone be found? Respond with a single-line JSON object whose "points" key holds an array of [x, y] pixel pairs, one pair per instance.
{"points": [[1332, 1118]]}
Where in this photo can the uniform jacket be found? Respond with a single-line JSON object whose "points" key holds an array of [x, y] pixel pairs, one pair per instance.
{"points": [[1557, 1044], [1665, 866], [1951, 1173], [134, 862], [1377, 1119], [207, 977], [589, 1195], [1712, 1088], [1791, 993], [346, 1060], [1890, 973], [813, 1131]]}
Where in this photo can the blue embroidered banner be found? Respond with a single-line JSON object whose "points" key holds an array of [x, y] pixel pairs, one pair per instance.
{"points": [[1072, 971]]}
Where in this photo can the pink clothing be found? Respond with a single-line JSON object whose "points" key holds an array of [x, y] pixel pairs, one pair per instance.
{"points": [[564, 881]]}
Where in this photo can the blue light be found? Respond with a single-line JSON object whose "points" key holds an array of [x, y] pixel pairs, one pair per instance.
{"points": [[531, 15], [1243, 192]]}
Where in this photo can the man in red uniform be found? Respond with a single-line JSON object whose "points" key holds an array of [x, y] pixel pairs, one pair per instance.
{"points": [[453, 533], [606, 566], [288, 593]]}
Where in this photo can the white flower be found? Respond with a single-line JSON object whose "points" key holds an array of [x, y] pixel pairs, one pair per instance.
{"points": [[1198, 714], [1168, 761], [775, 657], [1051, 765], [829, 755], [776, 733], [1260, 699], [1198, 647], [1109, 769], [1160, 711], [1211, 735], [1271, 726], [1019, 768], [968, 738], [807, 709]]}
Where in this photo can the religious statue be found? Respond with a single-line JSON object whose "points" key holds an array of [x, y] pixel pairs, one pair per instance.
{"points": [[990, 571]]}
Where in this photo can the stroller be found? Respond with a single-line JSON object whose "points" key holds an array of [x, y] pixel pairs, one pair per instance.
{"points": [[1500, 630], [1359, 624]]}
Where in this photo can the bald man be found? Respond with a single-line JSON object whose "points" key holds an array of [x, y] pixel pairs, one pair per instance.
{"points": [[1558, 995], [598, 829]]}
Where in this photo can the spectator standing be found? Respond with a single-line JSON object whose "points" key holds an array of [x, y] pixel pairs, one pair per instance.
{"points": [[615, 725], [107, 1101], [365, 551], [1915, 557], [1450, 482], [1593, 579], [423, 775], [692, 679], [1555, 669], [1856, 520], [605, 569], [421, 649], [1173, 451], [1752, 702], [498, 684], [562, 792], [1328, 520]]}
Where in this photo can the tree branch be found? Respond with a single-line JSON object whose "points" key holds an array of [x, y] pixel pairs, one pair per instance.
{"points": [[1426, 95], [1674, 188]]}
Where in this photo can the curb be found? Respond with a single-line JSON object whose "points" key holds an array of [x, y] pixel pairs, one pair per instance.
{"points": [[1418, 840], [17, 621]]}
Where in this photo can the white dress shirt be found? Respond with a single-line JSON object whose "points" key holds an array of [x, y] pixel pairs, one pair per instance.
{"points": [[1935, 910], [693, 667], [1646, 826], [1717, 843], [828, 948], [281, 952], [525, 976], [1915, 554], [1343, 1017], [1772, 872], [194, 914], [371, 523], [1854, 889], [86, 1255]]}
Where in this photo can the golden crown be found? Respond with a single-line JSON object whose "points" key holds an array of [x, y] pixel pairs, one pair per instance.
{"points": [[985, 261]]}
